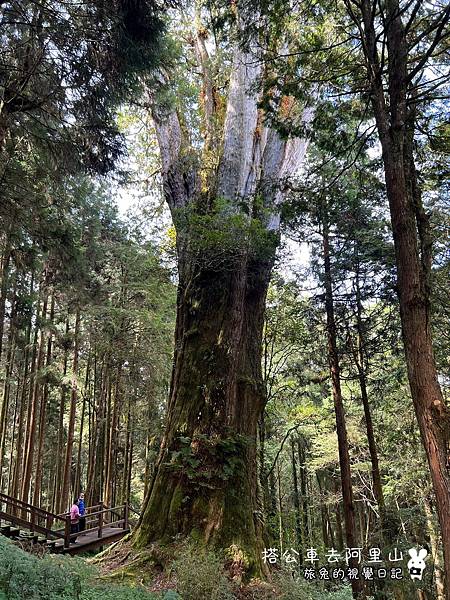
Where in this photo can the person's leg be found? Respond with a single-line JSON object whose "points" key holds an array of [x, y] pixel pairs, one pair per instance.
{"points": [[73, 529], [82, 524]]}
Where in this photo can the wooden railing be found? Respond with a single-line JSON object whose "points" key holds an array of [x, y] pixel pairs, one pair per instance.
{"points": [[97, 518], [58, 526], [31, 517]]}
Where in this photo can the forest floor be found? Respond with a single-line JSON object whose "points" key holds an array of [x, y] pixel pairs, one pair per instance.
{"points": [[198, 576]]}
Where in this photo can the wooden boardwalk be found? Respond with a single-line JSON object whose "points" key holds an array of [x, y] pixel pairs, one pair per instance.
{"points": [[89, 540], [103, 525]]}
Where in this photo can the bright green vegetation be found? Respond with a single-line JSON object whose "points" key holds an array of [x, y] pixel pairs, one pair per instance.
{"points": [[198, 575], [26, 577]]}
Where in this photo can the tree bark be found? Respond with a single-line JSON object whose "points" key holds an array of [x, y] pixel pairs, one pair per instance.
{"points": [[95, 479], [215, 404], [7, 386], [57, 495], [4, 272], [298, 514], [395, 115], [303, 487], [42, 417], [362, 378], [434, 543], [18, 462], [32, 418], [341, 428], [71, 425], [78, 483]]}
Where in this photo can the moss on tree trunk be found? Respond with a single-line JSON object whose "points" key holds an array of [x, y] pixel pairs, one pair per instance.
{"points": [[204, 487]]}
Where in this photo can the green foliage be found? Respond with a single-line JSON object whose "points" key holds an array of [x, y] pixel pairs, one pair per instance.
{"points": [[200, 574], [298, 589], [120, 592], [64, 70], [208, 461], [222, 233], [25, 577]]}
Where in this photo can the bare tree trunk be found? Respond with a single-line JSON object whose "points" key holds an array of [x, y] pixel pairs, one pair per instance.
{"points": [[148, 471], [280, 509], [303, 488], [32, 419], [57, 503], [7, 387], [435, 552], [130, 462], [327, 530], [126, 462], [341, 428], [394, 109], [92, 427], [112, 441], [95, 482], [360, 365], [15, 427], [42, 417], [17, 473], [4, 272], [298, 514], [78, 483], [71, 426], [339, 532]]}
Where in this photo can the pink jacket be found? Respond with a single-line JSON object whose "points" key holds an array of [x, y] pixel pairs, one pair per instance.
{"points": [[74, 513]]}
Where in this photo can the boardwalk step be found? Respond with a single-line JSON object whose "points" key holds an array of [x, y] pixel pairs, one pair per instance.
{"points": [[28, 536]]}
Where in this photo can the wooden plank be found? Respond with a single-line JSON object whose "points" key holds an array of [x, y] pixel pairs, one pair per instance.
{"points": [[90, 540]]}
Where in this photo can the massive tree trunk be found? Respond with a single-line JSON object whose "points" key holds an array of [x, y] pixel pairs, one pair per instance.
{"points": [[206, 474], [205, 481]]}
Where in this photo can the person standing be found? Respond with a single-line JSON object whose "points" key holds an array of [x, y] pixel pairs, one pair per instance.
{"points": [[74, 520], [82, 509]]}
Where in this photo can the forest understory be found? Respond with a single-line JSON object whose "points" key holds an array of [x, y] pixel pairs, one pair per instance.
{"points": [[224, 300]]}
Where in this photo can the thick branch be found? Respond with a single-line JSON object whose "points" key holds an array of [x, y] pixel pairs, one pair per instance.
{"points": [[236, 171], [179, 175], [282, 160], [208, 99]]}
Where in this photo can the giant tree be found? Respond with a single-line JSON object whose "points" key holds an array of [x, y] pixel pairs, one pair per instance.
{"points": [[225, 204]]}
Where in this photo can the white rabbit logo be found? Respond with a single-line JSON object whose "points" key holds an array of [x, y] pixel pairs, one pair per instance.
{"points": [[416, 564]]}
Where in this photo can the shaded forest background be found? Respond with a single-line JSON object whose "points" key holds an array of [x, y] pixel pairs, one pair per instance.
{"points": [[88, 296]]}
